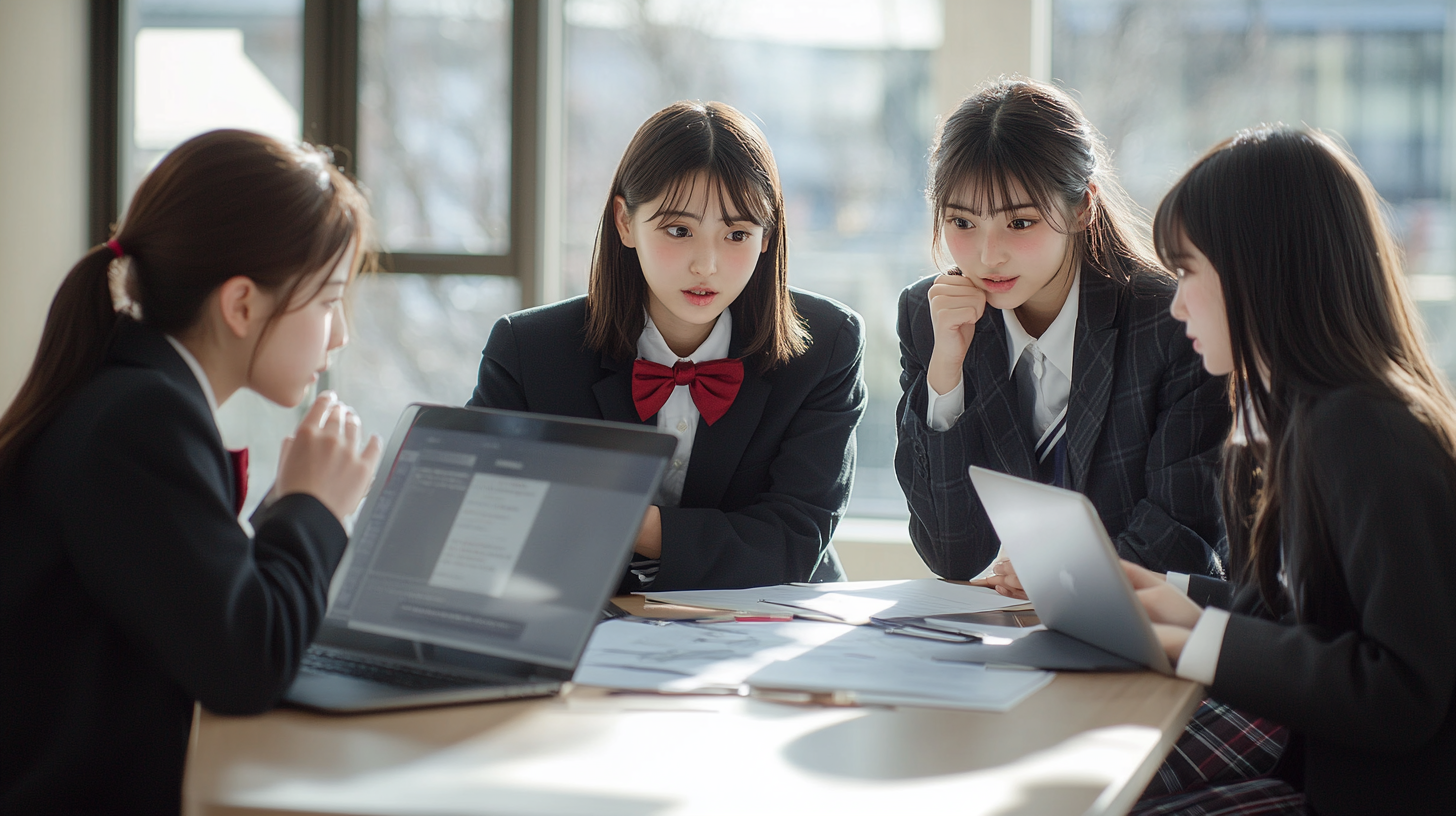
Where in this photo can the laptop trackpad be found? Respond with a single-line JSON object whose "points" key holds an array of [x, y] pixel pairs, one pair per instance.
{"points": [[1046, 649]]}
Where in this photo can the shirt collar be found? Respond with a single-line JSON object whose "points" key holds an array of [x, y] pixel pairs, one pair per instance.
{"points": [[1057, 342], [651, 346], [196, 372]]}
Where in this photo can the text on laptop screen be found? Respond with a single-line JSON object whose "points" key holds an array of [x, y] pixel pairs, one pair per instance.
{"points": [[479, 541]]}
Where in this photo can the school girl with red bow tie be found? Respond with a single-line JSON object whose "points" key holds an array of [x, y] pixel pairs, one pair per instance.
{"points": [[689, 325], [128, 590]]}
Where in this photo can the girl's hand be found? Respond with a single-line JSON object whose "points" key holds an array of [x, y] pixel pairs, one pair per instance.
{"points": [[1172, 639], [323, 460], [1164, 603], [955, 305], [1003, 579]]}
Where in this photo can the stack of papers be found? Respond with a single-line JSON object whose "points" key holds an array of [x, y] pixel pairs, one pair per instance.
{"points": [[854, 602], [800, 661]]}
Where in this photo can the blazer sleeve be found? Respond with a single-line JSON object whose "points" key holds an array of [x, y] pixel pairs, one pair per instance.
{"points": [[784, 532], [947, 525], [1385, 682], [154, 539], [1206, 591], [1177, 525], [499, 385]]}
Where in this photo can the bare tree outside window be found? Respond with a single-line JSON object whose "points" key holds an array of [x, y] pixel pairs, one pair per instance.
{"points": [[1166, 79]]}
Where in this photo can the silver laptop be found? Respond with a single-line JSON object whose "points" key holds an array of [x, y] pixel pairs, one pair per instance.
{"points": [[481, 559], [1069, 566]]}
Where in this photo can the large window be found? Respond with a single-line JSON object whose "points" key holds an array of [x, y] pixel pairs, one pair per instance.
{"points": [[1164, 81], [487, 131]]}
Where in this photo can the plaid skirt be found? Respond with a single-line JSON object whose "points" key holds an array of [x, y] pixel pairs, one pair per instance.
{"points": [[1220, 767]]}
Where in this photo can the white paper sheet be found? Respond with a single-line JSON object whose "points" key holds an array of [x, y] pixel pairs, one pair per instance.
{"points": [[684, 657], [849, 602], [862, 664]]}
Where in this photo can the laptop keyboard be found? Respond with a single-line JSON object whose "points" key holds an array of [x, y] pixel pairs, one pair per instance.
{"points": [[392, 674]]}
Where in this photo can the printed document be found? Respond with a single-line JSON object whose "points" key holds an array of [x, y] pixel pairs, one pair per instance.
{"points": [[489, 533]]}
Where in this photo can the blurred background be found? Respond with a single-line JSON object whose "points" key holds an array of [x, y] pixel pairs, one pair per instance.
{"points": [[487, 132]]}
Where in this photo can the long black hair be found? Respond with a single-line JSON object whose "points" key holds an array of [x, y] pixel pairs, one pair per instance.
{"points": [[1316, 301]]}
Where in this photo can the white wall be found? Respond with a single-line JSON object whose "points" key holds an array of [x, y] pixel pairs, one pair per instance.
{"points": [[43, 144]]}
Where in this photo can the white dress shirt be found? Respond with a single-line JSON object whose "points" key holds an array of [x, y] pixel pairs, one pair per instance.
{"points": [[1056, 344], [197, 372], [679, 417]]}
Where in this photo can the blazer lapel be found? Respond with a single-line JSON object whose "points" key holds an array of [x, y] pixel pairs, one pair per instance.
{"points": [[995, 400], [614, 392], [1093, 352], [718, 448]]}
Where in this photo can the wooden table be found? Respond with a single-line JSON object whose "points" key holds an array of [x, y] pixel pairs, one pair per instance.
{"points": [[1084, 744]]}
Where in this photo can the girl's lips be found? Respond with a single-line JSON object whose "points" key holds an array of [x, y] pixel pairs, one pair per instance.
{"points": [[699, 299], [999, 285]]}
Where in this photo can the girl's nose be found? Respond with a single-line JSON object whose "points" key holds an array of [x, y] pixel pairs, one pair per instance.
{"points": [[703, 262], [338, 330], [992, 253], [1178, 308]]}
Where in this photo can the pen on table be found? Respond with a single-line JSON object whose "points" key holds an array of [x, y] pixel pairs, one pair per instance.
{"points": [[746, 618]]}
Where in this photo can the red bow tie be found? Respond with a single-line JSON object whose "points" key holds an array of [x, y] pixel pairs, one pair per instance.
{"points": [[239, 460], [712, 384]]}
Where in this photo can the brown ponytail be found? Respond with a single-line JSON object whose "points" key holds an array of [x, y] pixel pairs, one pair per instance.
{"points": [[221, 205]]}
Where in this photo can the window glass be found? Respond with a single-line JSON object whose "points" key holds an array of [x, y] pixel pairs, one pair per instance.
{"points": [[1165, 81], [843, 92], [190, 66], [435, 123], [416, 338]]}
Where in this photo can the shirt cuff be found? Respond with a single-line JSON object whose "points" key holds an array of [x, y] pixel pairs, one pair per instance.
{"points": [[1178, 581], [945, 408], [1199, 660]]}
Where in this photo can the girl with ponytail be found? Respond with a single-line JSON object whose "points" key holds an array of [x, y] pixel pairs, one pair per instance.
{"points": [[129, 588]]}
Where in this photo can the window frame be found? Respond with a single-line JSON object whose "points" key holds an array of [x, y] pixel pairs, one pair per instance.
{"points": [[331, 117]]}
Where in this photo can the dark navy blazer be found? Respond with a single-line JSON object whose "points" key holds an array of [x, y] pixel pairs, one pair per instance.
{"points": [[1145, 426], [767, 483], [128, 590]]}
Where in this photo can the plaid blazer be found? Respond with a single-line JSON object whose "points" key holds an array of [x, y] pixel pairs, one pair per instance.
{"points": [[1145, 425]]}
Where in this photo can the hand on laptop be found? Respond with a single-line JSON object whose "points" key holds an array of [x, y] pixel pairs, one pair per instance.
{"points": [[1172, 613], [1003, 579]]}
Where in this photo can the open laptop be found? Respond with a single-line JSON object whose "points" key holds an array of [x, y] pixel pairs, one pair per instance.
{"points": [[481, 559], [1069, 566]]}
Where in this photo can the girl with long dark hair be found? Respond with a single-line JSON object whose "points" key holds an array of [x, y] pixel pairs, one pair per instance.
{"points": [[689, 325], [1076, 375], [130, 590], [1339, 483]]}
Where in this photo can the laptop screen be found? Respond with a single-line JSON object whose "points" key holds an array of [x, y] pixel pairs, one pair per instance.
{"points": [[497, 533]]}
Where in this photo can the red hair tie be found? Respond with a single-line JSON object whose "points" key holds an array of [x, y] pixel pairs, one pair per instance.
{"points": [[115, 247]]}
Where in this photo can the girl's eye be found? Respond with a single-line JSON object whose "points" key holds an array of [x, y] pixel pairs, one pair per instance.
{"points": [[1021, 223], [738, 236], [679, 231], [960, 223]]}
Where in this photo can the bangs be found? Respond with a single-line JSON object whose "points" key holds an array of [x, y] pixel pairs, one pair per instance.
{"points": [[996, 175], [740, 196]]}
